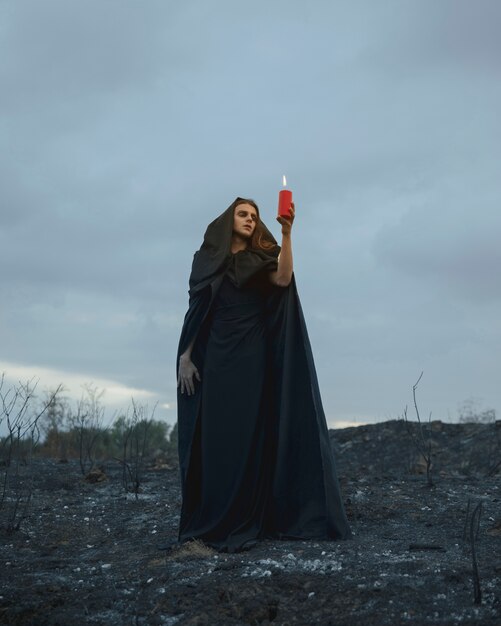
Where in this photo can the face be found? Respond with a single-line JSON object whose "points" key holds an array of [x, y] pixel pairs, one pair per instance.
{"points": [[245, 220]]}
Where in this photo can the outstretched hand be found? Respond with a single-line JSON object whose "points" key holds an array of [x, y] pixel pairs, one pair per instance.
{"points": [[187, 370], [287, 221]]}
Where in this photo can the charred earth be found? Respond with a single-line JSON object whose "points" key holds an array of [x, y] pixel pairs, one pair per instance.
{"points": [[89, 553]]}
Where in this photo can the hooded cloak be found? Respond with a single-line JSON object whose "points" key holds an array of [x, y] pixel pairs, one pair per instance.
{"points": [[299, 489]]}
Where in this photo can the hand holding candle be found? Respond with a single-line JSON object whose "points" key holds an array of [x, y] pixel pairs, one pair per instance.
{"points": [[286, 209]]}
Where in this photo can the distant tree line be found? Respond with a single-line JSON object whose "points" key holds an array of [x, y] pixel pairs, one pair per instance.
{"points": [[469, 412], [66, 430]]}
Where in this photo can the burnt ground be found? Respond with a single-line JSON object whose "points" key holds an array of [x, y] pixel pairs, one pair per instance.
{"points": [[89, 553]]}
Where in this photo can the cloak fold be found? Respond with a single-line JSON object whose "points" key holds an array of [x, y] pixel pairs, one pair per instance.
{"points": [[304, 495]]}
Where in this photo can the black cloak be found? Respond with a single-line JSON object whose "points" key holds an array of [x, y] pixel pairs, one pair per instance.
{"points": [[302, 497]]}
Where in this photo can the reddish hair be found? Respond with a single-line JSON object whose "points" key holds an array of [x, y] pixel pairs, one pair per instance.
{"points": [[259, 239]]}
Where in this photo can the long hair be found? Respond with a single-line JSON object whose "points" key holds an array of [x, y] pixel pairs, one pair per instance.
{"points": [[258, 241]]}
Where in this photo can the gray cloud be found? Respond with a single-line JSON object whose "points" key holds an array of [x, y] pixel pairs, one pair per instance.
{"points": [[130, 126]]}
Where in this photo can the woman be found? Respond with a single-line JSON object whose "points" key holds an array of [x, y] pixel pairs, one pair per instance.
{"points": [[254, 448]]}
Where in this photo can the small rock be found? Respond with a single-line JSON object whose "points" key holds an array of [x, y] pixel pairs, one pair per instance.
{"points": [[495, 529]]}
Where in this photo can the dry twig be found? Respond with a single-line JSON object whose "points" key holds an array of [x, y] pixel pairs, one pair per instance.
{"points": [[422, 444]]}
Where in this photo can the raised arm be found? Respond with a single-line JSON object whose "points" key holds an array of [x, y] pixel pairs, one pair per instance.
{"points": [[283, 275]]}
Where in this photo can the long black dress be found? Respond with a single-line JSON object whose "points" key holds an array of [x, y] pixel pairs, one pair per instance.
{"points": [[233, 445], [254, 449]]}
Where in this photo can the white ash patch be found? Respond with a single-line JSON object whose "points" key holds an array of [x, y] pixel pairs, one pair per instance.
{"points": [[144, 496], [168, 620], [264, 567]]}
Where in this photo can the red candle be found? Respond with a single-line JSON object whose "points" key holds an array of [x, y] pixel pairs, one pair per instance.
{"points": [[284, 200]]}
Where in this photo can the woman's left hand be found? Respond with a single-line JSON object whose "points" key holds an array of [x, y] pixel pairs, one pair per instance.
{"points": [[287, 221]]}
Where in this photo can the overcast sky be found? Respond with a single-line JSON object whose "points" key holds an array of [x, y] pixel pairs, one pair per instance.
{"points": [[127, 126]]}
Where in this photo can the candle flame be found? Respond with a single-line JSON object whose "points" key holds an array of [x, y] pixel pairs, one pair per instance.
{"points": [[284, 181]]}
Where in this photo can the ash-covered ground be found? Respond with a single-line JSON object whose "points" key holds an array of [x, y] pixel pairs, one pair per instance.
{"points": [[89, 553]]}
